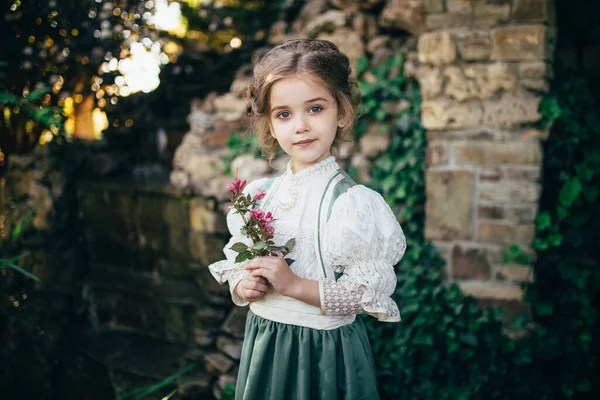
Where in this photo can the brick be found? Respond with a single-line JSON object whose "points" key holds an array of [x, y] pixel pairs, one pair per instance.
{"points": [[403, 14], [512, 110], [531, 174], [479, 81], [449, 208], [437, 154], [448, 114], [490, 174], [434, 6], [491, 14], [431, 81], [217, 362], [508, 192], [473, 44], [470, 263], [531, 10], [517, 43], [493, 153], [436, 48], [514, 273], [491, 290], [490, 212], [459, 5], [535, 70], [435, 22], [522, 214], [508, 234]]}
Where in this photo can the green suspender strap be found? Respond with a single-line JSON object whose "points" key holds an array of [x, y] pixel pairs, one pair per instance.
{"points": [[339, 183]]}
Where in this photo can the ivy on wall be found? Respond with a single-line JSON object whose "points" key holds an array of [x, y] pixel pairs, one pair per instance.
{"points": [[446, 347]]}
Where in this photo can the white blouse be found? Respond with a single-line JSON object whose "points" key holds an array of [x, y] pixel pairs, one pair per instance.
{"points": [[362, 241]]}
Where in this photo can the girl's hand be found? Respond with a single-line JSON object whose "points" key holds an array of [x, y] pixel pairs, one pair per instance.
{"points": [[276, 271], [251, 288]]}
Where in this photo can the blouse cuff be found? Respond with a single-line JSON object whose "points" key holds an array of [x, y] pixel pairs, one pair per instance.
{"points": [[338, 300], [226, 271]]}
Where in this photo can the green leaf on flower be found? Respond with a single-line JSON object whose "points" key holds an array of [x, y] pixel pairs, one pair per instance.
{"points": [[289, 261], [243, 256], [290, 244], [259, 246], [239, 247]]}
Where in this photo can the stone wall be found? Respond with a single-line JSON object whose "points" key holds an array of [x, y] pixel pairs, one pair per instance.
{"points": [[153, 306], [483, 66]]}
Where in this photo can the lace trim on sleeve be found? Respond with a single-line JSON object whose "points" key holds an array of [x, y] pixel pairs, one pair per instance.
{"points": [[338, 300]]}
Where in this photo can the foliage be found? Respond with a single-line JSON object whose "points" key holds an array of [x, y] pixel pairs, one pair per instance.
{"points": [[446, 346], [238, 145], [7, 247]]}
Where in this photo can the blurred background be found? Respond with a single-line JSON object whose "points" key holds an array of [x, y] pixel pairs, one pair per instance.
{"points": [[123, 120]]}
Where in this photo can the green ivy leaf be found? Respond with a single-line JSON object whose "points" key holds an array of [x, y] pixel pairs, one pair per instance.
{"points": [[570, 191], [544, 220]]}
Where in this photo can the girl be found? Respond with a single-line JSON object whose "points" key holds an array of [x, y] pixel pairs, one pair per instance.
{"points": [[302, 339]]}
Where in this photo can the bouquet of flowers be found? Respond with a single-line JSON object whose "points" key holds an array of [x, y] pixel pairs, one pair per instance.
{"points": [[257, 226]]}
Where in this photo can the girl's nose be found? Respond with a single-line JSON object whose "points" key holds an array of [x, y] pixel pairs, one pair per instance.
{"points": [[301, 125]]}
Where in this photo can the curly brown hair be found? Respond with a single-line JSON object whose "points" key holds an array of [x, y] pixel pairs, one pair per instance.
{"points": [[320, 59]]}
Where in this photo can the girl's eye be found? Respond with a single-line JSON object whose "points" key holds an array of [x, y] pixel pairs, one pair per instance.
{"points": [[283, 114], [315, 109]]}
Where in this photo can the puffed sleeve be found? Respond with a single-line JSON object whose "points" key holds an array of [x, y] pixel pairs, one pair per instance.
{"points": [[363, 240], [228, 270]]}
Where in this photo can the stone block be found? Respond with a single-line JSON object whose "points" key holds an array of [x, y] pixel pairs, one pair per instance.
{"points": [[479, 81], [403, 14], [436, 22], [205, 248], [491, 290], [437, 154], [348, 41], [447, 114], [436, 48], [494, 153], [493, 174], [217, 362], [528, 11], [431, 81], [470, 263], [486, 15], [490, 212], [375, 141], [522, 214], [231, 347], [434, 6], [535, 70], [531, 174], [508, 192], [457, 6], [473, 44], [327, 22], [204, 218], [515, 43], [236, 322], [204, 337], [513, 273], [512, 110], [508, 234], [449, 208], [536, 85]]}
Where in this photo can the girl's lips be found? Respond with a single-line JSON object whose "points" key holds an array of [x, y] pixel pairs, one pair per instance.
{"points": [[304, 143]]}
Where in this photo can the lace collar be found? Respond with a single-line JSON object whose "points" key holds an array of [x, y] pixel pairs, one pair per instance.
{"points": [[320, 169]]}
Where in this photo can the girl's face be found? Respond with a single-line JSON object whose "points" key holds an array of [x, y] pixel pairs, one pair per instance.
{"points": [[304, 119]]}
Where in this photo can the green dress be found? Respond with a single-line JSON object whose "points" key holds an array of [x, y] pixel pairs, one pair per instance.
{"points": [[282, 361], [348, 240]]}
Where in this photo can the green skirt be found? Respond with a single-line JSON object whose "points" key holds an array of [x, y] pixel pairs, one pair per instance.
{"points": [[289, 362]]}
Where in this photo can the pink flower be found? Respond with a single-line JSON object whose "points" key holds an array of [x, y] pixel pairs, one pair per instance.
{"points": [[239, 185], [257, 214], [259, 195], [268, 218], [231, 187], [269, 229]]}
